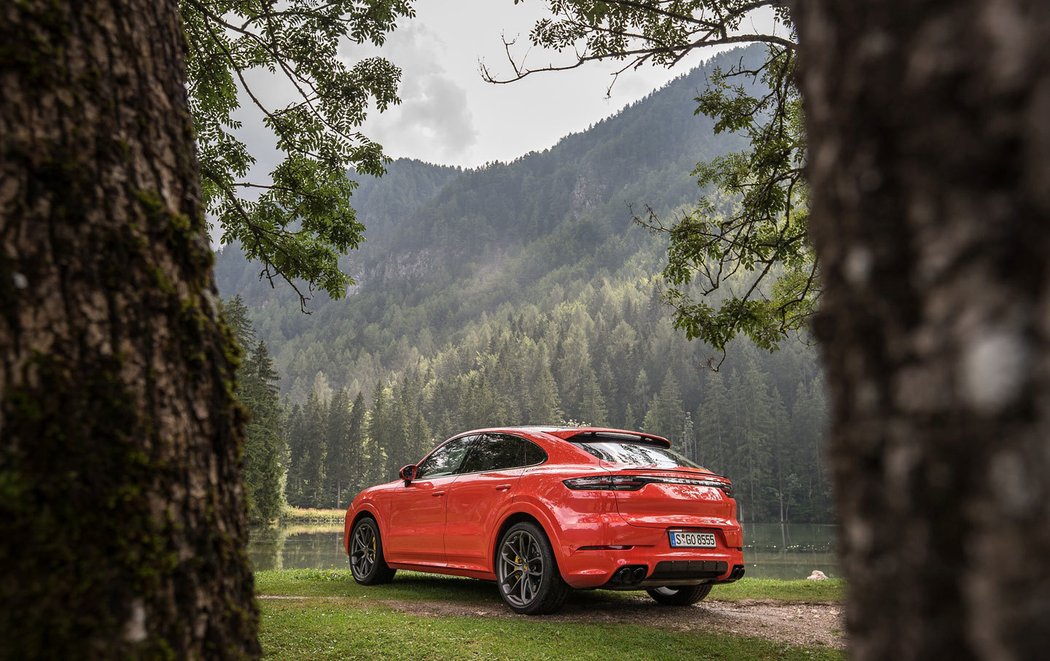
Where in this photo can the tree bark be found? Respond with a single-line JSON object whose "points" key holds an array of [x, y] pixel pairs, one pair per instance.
{"points": [[929, 164], [122, 527]]}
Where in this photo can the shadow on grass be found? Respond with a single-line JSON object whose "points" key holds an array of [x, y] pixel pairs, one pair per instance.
{"points": [[413, 585]]}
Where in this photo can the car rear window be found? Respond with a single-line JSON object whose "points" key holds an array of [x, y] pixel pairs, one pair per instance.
{"points": [[635, 454]]}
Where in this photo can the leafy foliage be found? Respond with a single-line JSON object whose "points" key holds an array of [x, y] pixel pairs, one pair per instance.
{"points": [[640, 32], [301, 220], [761, 232], [748, 234]]}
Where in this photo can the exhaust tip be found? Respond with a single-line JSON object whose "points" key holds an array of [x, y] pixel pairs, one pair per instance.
{"points": [[629, 575]]}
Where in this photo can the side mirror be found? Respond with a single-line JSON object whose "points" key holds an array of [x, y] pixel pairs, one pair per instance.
{"points": [[408, 473]]}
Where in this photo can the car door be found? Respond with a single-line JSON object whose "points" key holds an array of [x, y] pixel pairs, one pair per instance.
{"points": [[416, 511], [487, 482]]}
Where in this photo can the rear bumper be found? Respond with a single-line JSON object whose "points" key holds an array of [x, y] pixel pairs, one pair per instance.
{"points": [[598, 566]]}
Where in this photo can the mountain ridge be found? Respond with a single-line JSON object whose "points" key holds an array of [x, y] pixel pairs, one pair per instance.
{"points": [[656, 135]]}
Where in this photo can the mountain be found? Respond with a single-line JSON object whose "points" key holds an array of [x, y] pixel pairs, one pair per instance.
{"points": [[523, 292], [501, 232]]}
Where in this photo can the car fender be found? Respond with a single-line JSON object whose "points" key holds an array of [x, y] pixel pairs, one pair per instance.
{"points": [[535, 508], [366, 504]]}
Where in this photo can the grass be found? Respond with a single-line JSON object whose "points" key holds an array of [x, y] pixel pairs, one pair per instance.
{"points": [[432, 587], [344, 629], [332, 617], [769, 589], [407, 585], [311, 515]]}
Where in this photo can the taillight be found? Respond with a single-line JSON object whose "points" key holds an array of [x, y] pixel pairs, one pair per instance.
{"points": [[606, 483], [636, 482]]}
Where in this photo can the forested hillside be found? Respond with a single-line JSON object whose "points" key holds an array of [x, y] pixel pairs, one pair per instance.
{"points": [[522, 293]]}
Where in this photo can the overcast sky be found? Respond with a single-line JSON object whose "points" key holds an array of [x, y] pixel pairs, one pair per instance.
{"points": [[449, 115]]}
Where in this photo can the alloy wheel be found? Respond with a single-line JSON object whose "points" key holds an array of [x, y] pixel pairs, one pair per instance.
{"points": [[363, 549], [520, 568]]}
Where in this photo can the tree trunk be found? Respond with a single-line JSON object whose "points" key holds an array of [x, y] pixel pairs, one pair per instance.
{"points": [[930, 173], [122, 526]]}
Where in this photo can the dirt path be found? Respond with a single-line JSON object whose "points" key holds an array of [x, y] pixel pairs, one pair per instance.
{"points": [[807, 624]]}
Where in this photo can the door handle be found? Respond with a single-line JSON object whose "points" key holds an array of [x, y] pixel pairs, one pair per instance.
{"points": [[438, 493], [502, 487]]}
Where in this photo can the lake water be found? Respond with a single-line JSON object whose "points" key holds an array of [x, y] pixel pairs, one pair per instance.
{"points": [[770, 551]]}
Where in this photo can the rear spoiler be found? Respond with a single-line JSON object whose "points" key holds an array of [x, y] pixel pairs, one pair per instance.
{"points": [[584, 434]]}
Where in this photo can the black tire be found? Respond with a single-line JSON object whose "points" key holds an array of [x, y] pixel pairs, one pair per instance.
{"points": [[526, 573], [680, 595], [366, 554]]}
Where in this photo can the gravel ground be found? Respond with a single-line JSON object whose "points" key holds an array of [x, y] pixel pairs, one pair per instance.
{"points": [[806, 624]]}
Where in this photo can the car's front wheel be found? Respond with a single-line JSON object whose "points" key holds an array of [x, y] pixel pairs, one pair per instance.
{"points": [[685, 595], [528, 576], [366, 554]]}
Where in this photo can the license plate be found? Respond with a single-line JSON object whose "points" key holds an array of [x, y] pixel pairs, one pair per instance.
{"points": [[704, 540]]}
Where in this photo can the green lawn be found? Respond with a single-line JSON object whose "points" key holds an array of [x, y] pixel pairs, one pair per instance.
{"points": [[433, 587], [331, 617], [769, 589]]}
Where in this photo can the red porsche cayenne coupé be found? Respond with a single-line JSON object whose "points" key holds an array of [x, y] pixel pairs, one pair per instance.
{"points": [[542, 510]]}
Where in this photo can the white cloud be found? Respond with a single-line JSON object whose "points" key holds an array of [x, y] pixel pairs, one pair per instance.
{"points": [[434, 120]]}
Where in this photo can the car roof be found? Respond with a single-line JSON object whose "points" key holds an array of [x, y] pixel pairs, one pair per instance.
{"points": [[566, 433]]}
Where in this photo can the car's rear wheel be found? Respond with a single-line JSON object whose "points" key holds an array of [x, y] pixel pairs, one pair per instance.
{"points": [[366, 554], [526, 572], [683, 595]]}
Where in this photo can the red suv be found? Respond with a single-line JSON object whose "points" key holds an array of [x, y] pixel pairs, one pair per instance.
{"points": [[541, 510]]}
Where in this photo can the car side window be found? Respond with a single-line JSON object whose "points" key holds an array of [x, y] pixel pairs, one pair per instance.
{"points": [[534, 454], [494, 452], [446, 459]]}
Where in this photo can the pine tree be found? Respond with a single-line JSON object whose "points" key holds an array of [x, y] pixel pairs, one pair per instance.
{"points": [[808, 427], [666, 416], [570, 369], [592, 407], [628, 421], [382, 434], [295, 435], [639, 395], [314, 450], [713, 427], [235, 313], [751, 407], [355, 445], [542, 407], [687, 440], [264, 450], [264, 447], [786, 480], [339, 455]]}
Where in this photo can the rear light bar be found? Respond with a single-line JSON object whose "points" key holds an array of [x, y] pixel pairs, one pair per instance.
{"points": [[606, 483], [636, 482]]}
